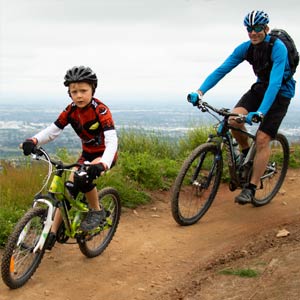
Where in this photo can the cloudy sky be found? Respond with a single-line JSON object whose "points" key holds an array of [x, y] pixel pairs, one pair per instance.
{"points": [[142, 50]]}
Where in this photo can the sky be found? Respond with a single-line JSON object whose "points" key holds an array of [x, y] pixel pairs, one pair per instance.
{"points": [[141, 50]]}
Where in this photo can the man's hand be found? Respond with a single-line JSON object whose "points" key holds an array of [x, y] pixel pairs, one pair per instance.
{"points": [[255, 117], [195, 98], [95, 170], [28, 146]]}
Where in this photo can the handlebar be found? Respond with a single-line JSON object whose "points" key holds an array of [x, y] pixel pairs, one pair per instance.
{"points": [[225, 112], [39, 151]]}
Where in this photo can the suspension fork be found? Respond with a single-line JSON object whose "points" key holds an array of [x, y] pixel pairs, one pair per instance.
{"points": [[211, 172], [51, 209], [47, 224]]}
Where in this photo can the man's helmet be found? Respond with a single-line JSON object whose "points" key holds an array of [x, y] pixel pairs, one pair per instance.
{"points": [[256, 17], [81, 74]]}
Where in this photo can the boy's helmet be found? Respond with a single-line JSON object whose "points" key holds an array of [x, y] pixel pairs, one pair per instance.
{"points": [[256, 17], [81, 74]]}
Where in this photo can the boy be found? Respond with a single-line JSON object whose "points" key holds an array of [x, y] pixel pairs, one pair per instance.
{"points": [[93, 123]]}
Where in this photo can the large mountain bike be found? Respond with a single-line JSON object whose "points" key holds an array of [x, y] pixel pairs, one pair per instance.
{"points": [[198, 180], [27, 243]]}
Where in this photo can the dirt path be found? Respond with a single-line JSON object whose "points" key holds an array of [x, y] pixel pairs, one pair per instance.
{"points": [[151, 257]]}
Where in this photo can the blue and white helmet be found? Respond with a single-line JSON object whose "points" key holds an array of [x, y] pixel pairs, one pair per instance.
{"points": [[256, 17]]}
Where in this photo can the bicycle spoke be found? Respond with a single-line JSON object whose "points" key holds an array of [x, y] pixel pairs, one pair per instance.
{"points": [[99, 240], [274, 175], [196, 185], [19, 261]]}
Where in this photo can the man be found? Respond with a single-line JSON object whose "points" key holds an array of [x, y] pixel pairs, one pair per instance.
{"points": [[266, 101]]}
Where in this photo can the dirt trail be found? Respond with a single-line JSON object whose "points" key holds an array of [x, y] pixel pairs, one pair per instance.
{"points": [[151, 257]]}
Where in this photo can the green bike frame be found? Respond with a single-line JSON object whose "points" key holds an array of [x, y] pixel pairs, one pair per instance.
{"points": [[72, 217]]}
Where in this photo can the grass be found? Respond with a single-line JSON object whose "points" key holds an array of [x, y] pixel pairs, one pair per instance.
{"points": [[240, 272], [147, 162]]}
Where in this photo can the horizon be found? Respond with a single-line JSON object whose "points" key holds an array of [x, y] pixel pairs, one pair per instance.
{"points": [[114, 104], [21, 121]]}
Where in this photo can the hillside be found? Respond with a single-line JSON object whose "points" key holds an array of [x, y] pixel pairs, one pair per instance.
{"points": [[151, 257]]}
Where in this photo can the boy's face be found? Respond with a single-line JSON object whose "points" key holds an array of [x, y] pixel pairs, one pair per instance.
{"points": [[81, 93]]}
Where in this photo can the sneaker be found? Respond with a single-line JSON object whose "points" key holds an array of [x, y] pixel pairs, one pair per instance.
{"points": [[50, 241], [245, 196], [93, 219]]}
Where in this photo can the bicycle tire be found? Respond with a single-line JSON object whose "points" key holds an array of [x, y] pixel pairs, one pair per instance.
{"points": [[19, 262], [190, 198], [275, 173], [109, 199]]}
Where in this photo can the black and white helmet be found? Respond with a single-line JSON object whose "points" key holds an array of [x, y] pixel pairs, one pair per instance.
{"points": [[81, 74]]}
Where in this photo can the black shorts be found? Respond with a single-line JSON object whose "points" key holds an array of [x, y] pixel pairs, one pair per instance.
{"points": [[272, 120], [85, 156]]}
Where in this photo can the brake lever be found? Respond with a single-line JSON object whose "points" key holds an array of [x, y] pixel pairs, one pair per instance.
{"points": [[240, 119]]}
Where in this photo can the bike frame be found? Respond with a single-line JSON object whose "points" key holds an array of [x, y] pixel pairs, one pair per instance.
{"points": [[71, 217], [223, 138], [57, 198]]}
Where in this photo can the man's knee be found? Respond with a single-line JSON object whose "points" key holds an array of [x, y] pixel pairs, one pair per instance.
{"points": [[262, 139]]}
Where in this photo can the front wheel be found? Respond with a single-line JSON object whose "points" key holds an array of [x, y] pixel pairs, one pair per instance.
{"points": [[19, 262], [275, 173], [95, 242], [196, 184]]}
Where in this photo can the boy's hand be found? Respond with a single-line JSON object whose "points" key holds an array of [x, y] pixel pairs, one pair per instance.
{"points": [[28, 147], [95, 170]]}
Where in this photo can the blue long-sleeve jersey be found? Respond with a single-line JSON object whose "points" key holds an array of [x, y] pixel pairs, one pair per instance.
{"points": [[280, 70]]}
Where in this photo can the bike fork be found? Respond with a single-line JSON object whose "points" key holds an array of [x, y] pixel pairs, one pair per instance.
{"points": [[47, 224], [198, 168]]}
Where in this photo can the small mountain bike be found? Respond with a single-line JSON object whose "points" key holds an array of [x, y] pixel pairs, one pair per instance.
{"points": [[198, 180], [27, 243]]}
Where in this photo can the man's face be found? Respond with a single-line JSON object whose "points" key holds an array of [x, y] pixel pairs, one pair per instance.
{"points": [[81, 93], [257, 33]]}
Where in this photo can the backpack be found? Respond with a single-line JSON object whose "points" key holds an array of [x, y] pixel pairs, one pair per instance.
{"points": [[260, 56], [293, 54]]}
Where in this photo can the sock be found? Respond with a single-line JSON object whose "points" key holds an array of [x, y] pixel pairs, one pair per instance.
{"points": [[252, 187]]}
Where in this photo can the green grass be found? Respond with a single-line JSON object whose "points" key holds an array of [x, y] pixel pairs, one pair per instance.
{"points": [[240, 272], [294, 156], [147, 162]]}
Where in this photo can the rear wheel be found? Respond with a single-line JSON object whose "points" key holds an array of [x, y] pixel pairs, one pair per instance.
{"points": [[275, 172], [19, 262], [95, 242], [196, 184]]}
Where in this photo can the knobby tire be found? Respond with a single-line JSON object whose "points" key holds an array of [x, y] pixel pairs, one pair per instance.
{"points": [[191, 198], [16, 256], [279, 161], [109, 199]]}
